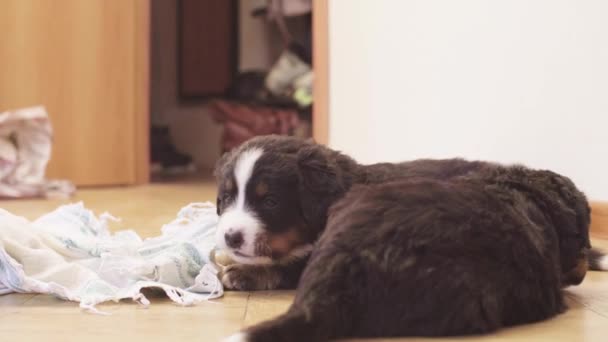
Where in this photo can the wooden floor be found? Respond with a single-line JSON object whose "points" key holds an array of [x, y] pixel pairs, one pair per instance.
{"points": [[43, 318]]}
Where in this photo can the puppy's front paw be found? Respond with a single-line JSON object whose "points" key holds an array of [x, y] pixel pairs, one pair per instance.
{"points": [[239, 277]]}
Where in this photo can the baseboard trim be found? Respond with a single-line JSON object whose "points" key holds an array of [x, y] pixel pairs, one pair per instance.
{"points": [[599, 220]]}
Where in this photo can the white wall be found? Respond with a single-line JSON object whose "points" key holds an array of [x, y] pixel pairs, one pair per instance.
{"points": [[511, 81]]}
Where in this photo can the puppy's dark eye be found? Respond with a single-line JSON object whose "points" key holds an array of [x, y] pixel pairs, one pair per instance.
{"points": [[270, 202]]}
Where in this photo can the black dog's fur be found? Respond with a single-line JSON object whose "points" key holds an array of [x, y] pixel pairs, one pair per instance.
{"points": [[426, 248]]}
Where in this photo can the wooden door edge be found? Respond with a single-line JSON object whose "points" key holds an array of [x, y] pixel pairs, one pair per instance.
{"points": [[599, 219], [320, 115], [142, 93]]}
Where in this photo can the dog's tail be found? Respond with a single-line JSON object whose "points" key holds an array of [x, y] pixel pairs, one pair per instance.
{"points": [[293, 326], [598, 260]]}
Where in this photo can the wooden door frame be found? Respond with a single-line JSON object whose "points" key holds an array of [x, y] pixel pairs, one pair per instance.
{"points": [[320, 114], [142, 93], [599, 219]]}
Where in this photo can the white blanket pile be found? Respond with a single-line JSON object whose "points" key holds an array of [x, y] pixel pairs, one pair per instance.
{"points": [[70, 253], [25, 149]]}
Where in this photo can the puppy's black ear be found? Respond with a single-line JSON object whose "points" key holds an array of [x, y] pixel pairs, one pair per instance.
{"points": [[317, 170], [321, 182]]}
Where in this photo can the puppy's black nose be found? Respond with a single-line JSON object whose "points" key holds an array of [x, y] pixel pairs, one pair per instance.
{"points": [[234, 239]]}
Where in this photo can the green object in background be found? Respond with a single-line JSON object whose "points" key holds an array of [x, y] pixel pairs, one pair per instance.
{"points": [[303, 97]]}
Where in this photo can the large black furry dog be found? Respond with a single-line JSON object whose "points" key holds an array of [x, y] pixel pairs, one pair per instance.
{"points": [[425, 248]]}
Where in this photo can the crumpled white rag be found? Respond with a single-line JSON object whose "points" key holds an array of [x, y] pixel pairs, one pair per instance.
{"points": [[70, 253], [25, 149]]}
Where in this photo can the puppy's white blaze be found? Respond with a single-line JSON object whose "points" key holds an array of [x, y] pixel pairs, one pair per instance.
{"points": [[242, 173], [238, 337], [237, 216]]}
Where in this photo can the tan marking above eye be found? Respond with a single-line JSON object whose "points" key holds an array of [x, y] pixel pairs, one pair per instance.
{"points": [[261, 189]]}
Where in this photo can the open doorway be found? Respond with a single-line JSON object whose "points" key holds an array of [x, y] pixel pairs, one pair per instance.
{"points": [[223, 72]]}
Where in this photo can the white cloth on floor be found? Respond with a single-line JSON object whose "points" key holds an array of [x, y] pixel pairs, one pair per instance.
{"points": [[70, 253], [25, 149]]}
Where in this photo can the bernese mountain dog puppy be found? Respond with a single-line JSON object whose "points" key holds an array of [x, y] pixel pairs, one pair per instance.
{"points": [[420, 248]]}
